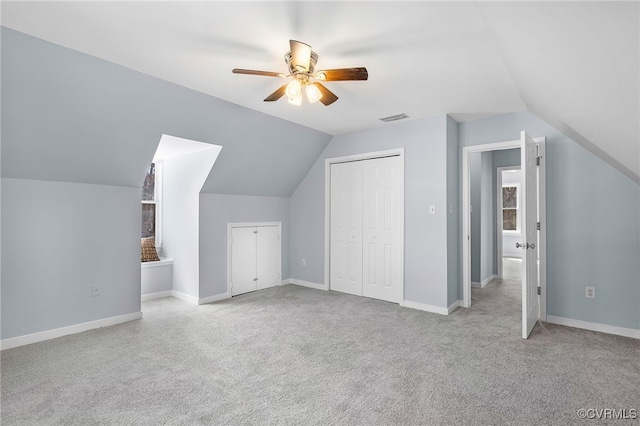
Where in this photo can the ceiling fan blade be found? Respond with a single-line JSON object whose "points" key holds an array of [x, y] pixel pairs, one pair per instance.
{"points": [[343, 74], [255, 72], [328, 97], [277, 94], [300, 55]]}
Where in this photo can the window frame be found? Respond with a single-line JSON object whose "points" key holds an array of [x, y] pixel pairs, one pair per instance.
{"points": [[517, 231], [157, 201]]}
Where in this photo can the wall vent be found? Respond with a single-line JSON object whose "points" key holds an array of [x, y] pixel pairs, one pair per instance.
{"points": [[394, 117]]}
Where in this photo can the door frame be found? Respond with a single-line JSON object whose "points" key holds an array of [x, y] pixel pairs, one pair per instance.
{"points": [[499, 236], [466, 217], [251, 225], [399, 152]]}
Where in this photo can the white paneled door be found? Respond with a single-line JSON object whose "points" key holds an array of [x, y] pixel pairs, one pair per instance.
{"points": [[254, 258], [529, 225], [380, 234], [366, 228], [346, 227]]}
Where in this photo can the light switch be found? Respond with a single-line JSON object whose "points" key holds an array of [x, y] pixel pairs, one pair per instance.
{"points": [[432, 209]]}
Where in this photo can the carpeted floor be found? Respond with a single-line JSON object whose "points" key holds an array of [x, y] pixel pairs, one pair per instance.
{"points": [[292, 355]]}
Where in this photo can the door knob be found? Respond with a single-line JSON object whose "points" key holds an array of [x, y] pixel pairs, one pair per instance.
{"points": [[518, 245]]}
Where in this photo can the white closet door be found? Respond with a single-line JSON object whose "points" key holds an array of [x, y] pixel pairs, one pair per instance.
{"points": [[346, 228], [243, 260], [268, 256], [381, 234]]}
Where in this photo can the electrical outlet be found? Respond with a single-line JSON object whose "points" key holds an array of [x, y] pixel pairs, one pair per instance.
{"points": [[590, 292], [95, 290], [304, 262]]}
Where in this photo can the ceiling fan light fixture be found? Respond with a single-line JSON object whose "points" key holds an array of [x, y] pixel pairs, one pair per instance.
{"points": [[294, 88], [313, 93]]}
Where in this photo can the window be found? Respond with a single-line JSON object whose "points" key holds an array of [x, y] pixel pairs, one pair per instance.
{"points": [[151, 211], [510, 206]]}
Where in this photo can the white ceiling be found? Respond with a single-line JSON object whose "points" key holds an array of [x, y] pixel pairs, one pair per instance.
{"points": [[574, 64]]}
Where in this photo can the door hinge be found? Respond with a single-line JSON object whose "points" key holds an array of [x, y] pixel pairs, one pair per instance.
{"points": [[539, 291], [538, 226], [538, 160], [255, 232]]}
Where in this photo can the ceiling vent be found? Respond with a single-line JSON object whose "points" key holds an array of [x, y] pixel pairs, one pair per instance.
{"points": [[394, 117]]}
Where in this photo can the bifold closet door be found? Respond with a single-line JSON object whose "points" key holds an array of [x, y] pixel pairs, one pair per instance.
{"points": [[381, 232], [366, 228], [345, 264], [243, 260]]}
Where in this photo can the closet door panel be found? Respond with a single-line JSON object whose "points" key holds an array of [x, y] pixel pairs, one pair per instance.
{"points": [[268, 256], [381, 233], [243, 260], [346, 228]]}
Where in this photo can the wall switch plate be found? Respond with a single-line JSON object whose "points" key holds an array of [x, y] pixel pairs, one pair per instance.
{"points": [[432, 209], [590, 292], [95, 290], [304, 262]]}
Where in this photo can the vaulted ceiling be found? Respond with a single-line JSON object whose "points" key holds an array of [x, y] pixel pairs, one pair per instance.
{"points": [[574, 64]]}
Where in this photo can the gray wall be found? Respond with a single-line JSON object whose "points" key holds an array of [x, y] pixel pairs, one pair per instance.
{"points": [[487, 217], [425, 143], [218, 210], [70, 117], [58, 240], [475, 175], [593, 231], [453, 230]]}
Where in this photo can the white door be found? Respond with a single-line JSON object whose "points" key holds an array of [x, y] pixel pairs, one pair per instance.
{"points": [[346, 228], [381, 256], [268, 262], [243, 260], [528, 224]]}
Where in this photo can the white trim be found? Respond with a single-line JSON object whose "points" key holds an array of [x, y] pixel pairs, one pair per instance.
{"points": [[158, 295], [303, 283], [466, 217], [184, 296], [65, 331], [454, 306], [542, 211], [484, 282], [230, 226], [594, 326], [154, 264], [327, 207], [214, 298], [426, 308]]}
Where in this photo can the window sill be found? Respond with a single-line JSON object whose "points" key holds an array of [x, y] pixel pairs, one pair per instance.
{"points": [[512, 233], [155, 264]]}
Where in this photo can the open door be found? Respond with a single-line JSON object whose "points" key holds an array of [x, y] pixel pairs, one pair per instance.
{"points": [[529, 226]]}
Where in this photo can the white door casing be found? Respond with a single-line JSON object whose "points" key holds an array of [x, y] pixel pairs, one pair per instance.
{"points": [[528, 222], [381, 239], [346, 227], [466, 217]]}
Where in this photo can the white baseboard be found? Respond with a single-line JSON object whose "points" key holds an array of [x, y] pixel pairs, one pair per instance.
{"points": [[454, 306], [425, 307], [214, 298], [303, 283], [593, 326], [65, 331], [157, 295], [185, 297], [484, 282]]}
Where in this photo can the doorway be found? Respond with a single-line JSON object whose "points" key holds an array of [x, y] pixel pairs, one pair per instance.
{"points": [[534, 240]]}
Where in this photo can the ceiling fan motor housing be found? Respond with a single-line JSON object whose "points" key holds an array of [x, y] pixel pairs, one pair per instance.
{"points": [[294, 70]]}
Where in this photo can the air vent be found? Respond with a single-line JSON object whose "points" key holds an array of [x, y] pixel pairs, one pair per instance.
{"points": [[394, 117]]}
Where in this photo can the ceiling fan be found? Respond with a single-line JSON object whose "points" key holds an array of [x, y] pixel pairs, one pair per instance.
{"points": [[301, 61]]}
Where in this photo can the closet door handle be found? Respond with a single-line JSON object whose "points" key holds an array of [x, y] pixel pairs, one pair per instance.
{"points": [[255, 279]]}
